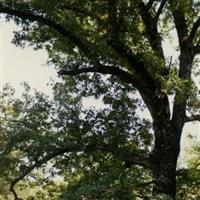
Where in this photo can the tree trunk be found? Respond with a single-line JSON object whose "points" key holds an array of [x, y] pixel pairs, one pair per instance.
{"points": [[164, 158]]}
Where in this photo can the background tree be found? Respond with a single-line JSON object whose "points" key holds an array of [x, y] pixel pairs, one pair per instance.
{"points": [[121, 40]]}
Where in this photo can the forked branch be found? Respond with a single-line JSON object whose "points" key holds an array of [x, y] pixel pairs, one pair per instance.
{"points": [[150, 23]]}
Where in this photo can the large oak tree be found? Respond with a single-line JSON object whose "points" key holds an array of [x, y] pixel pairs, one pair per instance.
{"points": [[123, 41]]}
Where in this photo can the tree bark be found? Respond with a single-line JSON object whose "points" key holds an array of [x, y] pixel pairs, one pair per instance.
{"points": [[164, 158]]}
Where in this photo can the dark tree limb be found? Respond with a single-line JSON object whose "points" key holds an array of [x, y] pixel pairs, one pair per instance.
{"points": [[114, 41], [159, 11], [194, 30], [145, 85], [142, 75], [150, 23], [123, 75], [192, 118], [180, 22]]}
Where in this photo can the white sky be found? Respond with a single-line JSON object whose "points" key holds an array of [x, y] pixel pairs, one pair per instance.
{"points": [[18, 65]]}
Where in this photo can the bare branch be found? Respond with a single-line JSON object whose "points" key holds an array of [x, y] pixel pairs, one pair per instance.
{"points": [[160, 9], [123, 75], [180, 21], [194, 29], [101, 69], [192, 118]]}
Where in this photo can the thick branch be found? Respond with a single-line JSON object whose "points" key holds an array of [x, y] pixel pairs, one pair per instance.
{"points": [[194, 29], [142, 75], [114, 41], [180, 22], [186, 59], [192, 118], [150, 23], [64, 31], [124, 76]]}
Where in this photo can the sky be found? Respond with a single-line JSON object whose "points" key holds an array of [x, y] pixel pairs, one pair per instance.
{"points": [[18, 65]]}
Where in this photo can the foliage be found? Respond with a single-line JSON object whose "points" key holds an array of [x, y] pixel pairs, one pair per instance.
{"points": [[39, 127], [188, 181], [111, 50]]}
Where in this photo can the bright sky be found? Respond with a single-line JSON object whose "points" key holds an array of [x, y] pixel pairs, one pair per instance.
{"points": [[18, 65]]}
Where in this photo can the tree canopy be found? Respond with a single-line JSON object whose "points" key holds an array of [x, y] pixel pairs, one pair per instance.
{"points": [[111, 50]]}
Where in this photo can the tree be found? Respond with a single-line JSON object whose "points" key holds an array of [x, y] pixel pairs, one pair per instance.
{"points": [[108, 47]]}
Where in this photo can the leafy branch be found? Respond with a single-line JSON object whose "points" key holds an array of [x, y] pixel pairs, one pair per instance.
{"points": [[84, 45], [131, 159], [150, 21]]}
